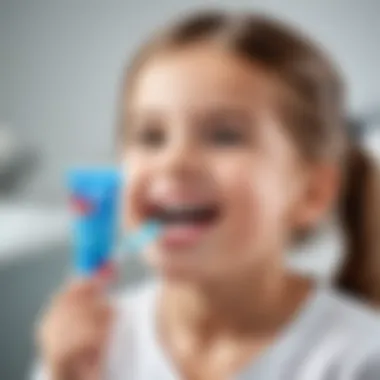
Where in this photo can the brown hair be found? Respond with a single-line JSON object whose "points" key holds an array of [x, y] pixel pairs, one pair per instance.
{"points": [[314, 115]]}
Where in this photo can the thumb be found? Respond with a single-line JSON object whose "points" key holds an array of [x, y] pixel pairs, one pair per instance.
{"points": [[89, 368], [106, 275]]}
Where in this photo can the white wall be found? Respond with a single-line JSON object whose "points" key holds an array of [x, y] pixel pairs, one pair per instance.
{"points": [[63, 60], [4, 86]]}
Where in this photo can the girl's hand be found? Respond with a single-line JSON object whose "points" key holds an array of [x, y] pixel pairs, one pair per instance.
{"points": [[73, 332]]}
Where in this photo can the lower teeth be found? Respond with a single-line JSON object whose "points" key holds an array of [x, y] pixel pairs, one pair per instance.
{"points": [[188, 217]]}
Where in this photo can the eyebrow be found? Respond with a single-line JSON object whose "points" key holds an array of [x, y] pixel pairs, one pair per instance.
{"points": [[218, 107], [201, 114]]}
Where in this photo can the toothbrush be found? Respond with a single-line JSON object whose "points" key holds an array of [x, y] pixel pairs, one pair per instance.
{"points": [[135, 242], [132, 244]]}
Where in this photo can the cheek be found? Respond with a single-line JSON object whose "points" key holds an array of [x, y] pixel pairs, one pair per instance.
{"points": [[256, 198], [136, 175], [129, 213]]}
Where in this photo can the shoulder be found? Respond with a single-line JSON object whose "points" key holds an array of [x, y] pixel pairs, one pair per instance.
{"points": [[350, 337], [357, 319]]}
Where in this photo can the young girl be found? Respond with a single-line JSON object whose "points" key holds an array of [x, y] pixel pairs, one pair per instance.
{"points": [[233, 135]]}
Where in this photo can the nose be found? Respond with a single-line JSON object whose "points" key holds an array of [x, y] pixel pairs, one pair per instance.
{"points": [[181, 158]]}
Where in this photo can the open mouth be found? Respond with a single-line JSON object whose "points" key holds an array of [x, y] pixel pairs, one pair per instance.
{"points": [[185, 214], [184, 225]]}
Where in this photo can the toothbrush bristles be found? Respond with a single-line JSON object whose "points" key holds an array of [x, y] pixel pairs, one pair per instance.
{"points": [[135, 242]]}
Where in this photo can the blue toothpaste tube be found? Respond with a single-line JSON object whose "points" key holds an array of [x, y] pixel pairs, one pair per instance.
{"points": [[94, 196]]}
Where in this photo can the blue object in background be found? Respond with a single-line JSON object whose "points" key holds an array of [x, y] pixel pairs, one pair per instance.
{"points": [[95, 195]]}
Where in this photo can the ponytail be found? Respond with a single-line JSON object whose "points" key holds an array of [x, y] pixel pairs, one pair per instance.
{"points": [[360, 218]]}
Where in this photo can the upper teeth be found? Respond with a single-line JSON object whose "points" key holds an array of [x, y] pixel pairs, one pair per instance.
{"points": [[181, 208]]}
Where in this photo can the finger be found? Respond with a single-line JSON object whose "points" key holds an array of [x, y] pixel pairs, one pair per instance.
{"points": [[81, 289], [107, 274], [89, 367], [97, 313], [94, 315], [82, 285], [83, 342]]}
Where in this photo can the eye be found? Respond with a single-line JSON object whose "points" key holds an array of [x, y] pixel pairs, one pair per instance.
{"points": [[226, 128], [226, 136], [149, 137]]}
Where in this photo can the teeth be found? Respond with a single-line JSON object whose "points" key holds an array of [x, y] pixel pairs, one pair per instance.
{"points": [[184, 213], [182, 208]]}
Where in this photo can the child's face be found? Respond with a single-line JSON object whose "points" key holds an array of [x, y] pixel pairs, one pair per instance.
{"points": [[208, 156]]}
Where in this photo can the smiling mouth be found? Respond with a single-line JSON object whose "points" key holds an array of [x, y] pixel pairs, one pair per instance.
{"points": [[184, 226], [180, 214]]}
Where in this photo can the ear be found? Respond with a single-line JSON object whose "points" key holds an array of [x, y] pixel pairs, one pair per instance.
{"points": [[319, 193]]}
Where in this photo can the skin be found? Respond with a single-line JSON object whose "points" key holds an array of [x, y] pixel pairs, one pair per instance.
{"points": [[74, 329], [243, 177], [202, 126]]}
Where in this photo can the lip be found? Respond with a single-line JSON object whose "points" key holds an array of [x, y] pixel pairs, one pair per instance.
{"points": [[184, 236]]}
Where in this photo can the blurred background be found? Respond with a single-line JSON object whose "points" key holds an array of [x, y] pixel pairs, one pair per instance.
{"points": [[60, 64]]}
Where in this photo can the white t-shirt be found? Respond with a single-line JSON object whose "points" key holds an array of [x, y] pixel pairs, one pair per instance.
{"points": [[332, 338]]}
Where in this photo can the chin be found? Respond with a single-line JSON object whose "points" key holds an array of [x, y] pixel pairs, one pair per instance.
{"points": [[172, 269]]}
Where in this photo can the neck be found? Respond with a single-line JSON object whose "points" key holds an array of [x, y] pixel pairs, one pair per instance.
{"points": [[258, 304]]}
